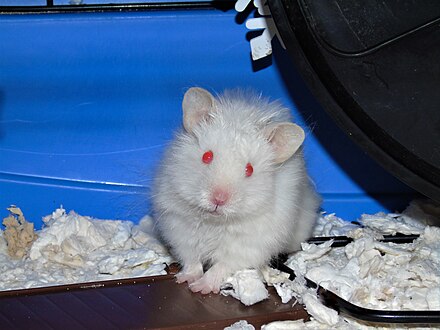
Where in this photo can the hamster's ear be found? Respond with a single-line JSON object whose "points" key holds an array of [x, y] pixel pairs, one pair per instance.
{"points": [[197, 104], [285, 138]]}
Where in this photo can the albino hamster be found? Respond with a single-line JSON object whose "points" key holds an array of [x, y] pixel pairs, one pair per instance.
{"points": [[232, 190]]}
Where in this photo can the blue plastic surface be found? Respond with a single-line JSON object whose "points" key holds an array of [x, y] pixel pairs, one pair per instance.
{"points": [[23, 2], [88, 102]]}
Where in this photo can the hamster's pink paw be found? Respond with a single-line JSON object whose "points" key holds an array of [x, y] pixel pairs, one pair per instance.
{"points": [[204, 286], [184, 277], [211, 280], [189, 274]]}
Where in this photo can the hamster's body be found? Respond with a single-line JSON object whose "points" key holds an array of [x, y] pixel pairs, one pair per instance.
{"points": [[233, 190]]}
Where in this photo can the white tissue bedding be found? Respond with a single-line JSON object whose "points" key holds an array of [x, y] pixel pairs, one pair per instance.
{"points": [[75, 249], [366, 272]]}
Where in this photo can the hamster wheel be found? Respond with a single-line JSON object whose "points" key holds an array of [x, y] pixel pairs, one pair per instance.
{"points": [[374, 66]]}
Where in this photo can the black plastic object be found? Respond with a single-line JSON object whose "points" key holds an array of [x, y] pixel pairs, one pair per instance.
{"points": [[374, 66], [341, 305], [377, 316], [339, 241], [51, 7]]}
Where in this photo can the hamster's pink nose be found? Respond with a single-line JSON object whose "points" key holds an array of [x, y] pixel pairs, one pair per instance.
{"points": [[219, 196]]}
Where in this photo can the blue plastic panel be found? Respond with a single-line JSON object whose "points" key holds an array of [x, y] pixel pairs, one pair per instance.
{"points": [[22, 2], [88, 102]]}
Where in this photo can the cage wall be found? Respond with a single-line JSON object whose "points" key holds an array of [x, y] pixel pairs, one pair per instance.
{"points": [[88, 101]]}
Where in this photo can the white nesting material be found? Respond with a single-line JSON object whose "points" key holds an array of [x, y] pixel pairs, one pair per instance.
{"points": [[240, 325], [72, 249], [370, 273], [247, 286], [366, 272]]}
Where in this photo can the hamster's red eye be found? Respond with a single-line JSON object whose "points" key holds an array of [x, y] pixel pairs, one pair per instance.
{"points": [[249, 169], [207, 157]]}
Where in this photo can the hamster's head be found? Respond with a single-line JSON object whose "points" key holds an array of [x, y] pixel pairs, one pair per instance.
{"points": [[229, 154]]}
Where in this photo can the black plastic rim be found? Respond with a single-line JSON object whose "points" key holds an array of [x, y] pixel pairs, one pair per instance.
{"points": [[111, 7]]}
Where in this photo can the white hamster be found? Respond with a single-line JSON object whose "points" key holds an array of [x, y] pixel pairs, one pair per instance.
{"points": [[232, 190]]}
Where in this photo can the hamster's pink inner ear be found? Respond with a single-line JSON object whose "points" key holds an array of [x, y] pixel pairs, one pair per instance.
{"points": [[285, 138], [197, 104]]}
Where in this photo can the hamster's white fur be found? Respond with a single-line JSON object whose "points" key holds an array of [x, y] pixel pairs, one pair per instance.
{"points": [[214, 216]]}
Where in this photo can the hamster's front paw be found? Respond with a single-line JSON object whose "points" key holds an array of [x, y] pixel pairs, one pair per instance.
{"points": [[190, 274], [210, 281], [204, 285]]}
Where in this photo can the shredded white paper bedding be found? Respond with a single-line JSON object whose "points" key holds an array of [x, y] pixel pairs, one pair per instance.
{"points": [[74, 249], [366, 272]]}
